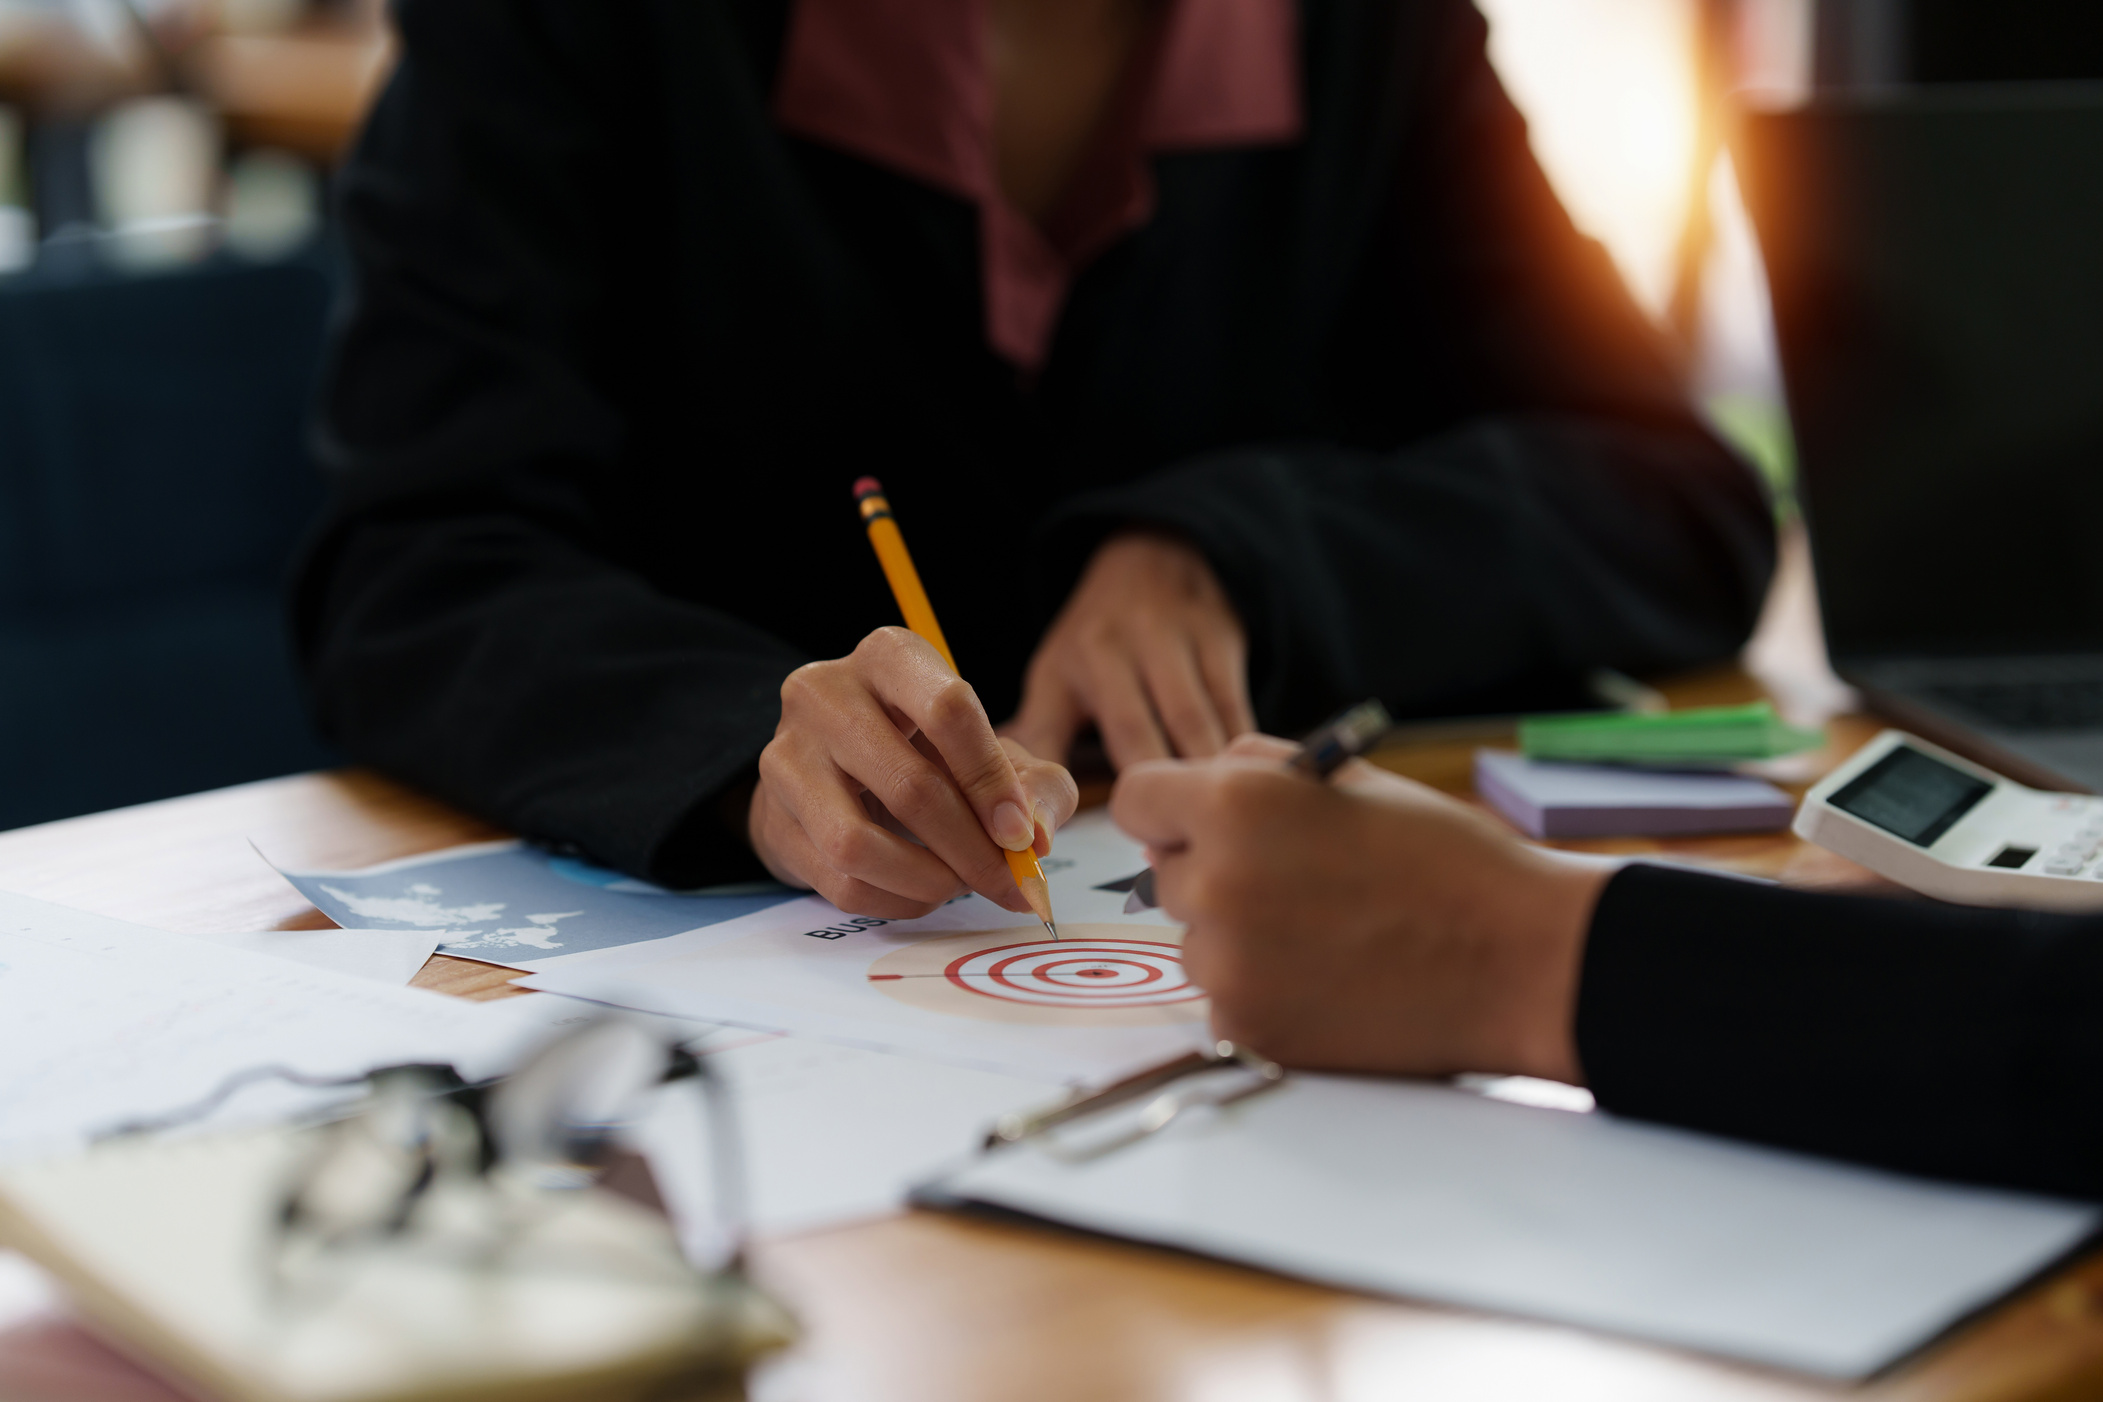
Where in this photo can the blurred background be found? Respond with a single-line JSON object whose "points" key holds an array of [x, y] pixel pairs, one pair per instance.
{"points": [[1632, 106], [166, 272], [165, 280]]}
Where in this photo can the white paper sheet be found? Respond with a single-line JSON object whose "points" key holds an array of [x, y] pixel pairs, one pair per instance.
{"points": [[389, 956], [1428, 1191], [102, 1022], [831, 1134], [971, 984], [25, 1291], [1554, 798]]}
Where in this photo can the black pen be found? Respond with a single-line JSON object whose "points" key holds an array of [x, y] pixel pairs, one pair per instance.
{"points": [[1321, 754]]}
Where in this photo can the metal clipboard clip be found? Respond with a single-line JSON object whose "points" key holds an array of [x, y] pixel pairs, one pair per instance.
{"points": [[1088, 1124]]}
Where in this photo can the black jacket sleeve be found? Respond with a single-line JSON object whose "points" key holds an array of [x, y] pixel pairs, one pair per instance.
{"points": [[1931, 1038], [1571, 513], [467, 625]]}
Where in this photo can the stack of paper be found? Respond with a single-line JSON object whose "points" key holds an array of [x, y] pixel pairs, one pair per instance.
{"points": [[103, 1023], [1545, 798]]}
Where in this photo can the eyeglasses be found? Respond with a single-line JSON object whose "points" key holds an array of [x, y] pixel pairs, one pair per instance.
{"points": [[431, 1176], [430, 1160]]}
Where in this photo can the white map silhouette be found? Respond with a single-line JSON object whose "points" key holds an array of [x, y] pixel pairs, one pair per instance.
{"points": [[420, 907]]}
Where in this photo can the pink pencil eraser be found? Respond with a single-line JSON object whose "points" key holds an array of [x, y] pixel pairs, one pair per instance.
{"points": [[867, 487]]}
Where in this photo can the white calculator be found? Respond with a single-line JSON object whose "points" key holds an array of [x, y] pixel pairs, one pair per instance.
{"points": [[1949, 828]]}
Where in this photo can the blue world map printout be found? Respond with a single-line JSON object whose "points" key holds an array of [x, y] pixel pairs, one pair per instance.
{"points": [[516, 904]]}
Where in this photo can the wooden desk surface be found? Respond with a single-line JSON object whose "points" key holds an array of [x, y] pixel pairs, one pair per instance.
{"points": [[931, 1308]]}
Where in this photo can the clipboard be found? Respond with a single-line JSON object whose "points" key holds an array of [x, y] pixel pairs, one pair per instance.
{"points": [[1432, 1192]]}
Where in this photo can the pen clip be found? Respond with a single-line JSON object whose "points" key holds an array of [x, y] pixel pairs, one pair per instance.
{"points": [[1327, 749], [1343, 738], [1163, 1090]]}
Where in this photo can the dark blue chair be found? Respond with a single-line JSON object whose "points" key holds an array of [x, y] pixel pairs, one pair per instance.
{"points": [[154, 482]]}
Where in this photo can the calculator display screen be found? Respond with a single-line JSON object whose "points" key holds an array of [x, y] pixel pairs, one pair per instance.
{"points": [[1911, 796]]}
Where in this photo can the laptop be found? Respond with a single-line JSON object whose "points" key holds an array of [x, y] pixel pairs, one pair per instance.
{"points": [[1936, 263]]}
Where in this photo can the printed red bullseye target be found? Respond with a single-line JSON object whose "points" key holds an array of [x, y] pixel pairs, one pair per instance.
{"points": [[1121, 974], [1078, 973]]}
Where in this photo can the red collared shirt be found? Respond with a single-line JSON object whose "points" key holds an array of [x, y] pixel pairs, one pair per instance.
{"points": [[907, 84]]}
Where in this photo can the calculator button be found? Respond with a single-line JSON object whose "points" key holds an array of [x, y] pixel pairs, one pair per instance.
{"points": [[2060, 866]]}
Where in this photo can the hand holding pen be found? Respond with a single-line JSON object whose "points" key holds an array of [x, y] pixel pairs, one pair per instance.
{"points": [[885, 789], [904, 579], [1317, 757], [1369, 923]]}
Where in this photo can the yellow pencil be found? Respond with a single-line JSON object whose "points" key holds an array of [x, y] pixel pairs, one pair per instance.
{"points": [[920, 617]]}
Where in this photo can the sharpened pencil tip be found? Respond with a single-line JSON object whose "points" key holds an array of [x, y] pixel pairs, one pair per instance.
{"points": [[1053, 928]]}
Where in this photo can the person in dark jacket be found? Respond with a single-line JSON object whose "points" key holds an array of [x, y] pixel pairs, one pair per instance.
{"points": [[1376, 925], [1225, 360]]}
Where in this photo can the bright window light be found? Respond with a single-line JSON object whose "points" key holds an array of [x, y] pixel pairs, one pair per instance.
{"points": [[1609, 92]]}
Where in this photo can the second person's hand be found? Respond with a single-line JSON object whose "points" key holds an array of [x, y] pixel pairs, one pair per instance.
{"points": [[886, 791], [1367, 924], [1149, 648]]}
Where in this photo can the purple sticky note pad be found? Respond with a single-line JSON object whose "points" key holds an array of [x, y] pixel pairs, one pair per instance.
{"points": [[1547, 798]]}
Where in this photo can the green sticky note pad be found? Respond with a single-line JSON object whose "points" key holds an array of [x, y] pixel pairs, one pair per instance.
{"points": [[1705, 737]]}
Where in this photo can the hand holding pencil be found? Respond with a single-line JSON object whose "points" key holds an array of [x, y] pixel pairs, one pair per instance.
{"points": [[886, 791]]}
